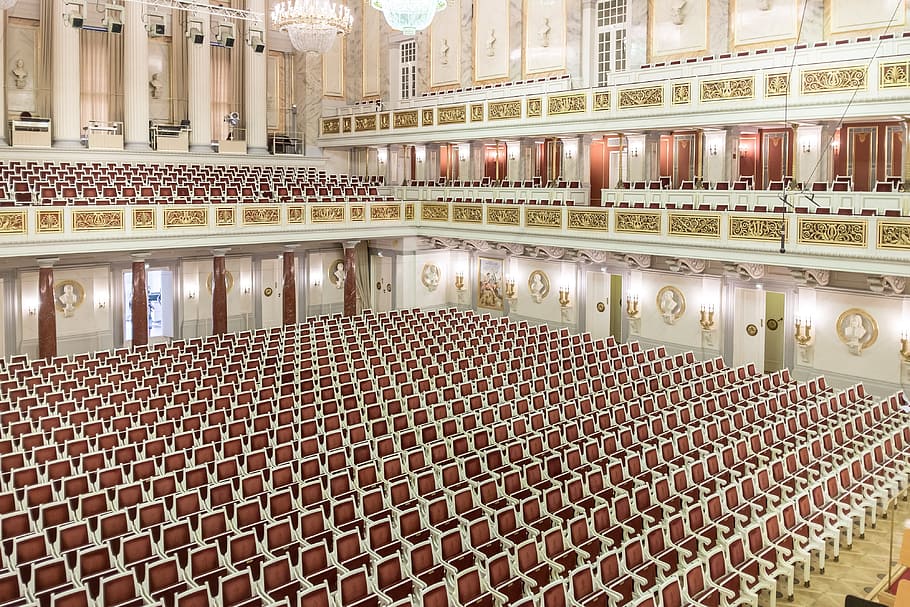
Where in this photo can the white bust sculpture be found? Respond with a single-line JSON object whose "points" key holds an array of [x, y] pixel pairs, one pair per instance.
{"points": [[340, 275], [156, 85], [537, 288], [20, 74], [68, 299], [677, 12], [668, 306], [854, 332]]}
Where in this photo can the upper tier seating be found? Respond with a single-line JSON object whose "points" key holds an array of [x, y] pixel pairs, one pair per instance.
{"points": [[79, 183], [440, 457]]}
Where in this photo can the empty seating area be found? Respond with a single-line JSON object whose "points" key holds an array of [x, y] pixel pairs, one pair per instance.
{"points": [[80, 183], [428, 458]]}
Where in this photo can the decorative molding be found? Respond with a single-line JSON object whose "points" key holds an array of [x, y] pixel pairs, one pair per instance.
{"points": [[13, 222], [833, 232], [602, 101], [453, 114], [409, 211], [324, 214], [427, 117], [593, 255], [385, 121], [49, 221], [637, 223], [745, 271], [682, 93], [434, 212], [511, 247], [543, 218], [407, 119], [331, 126], [758, 229], [535, 107], [467, 213], [728, 88], [185, 218], [637, 260], [589, 220], [832, 80], [777, 85], [702, 225], [549, 252], [385, 212], [144, 219], [894, 235], [478, 245], [87, 221], [295, 215], [648, 96], [687, 265], [504, 110], [367, 122], [261, 215], [503, 216], [476, 112], [892, 75], [576, 103], [345, 125], [358, 212], [811, 277], [225, 217]]}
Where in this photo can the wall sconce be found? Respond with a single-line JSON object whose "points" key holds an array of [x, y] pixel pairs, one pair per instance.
{"points": [[712, 149], [511, 291], [317, 282], [113, 18], [459, 281], [74, 17], [743, 149], [31, 309], [905, 346], [564, 300], [192, 292], [835, 145], [706, 317], [102, 304], [633, 310], [634, 151], [256, 40], [420, 155], [245, 288], [803, 331], [807, 146]]}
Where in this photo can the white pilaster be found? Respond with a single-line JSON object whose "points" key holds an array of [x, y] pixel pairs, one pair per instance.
{"points": [[135, 78], [199, 60], [3, 76], [588, 45], [65, 78], [254, 87]]}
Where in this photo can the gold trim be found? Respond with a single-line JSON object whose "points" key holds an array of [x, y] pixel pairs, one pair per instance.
{"points": [[185, 218], [894, 235], [326, 214], [295, 215], [409, 211], [833, 80], [331, 126], [728, 88], [358, 212], [543, 218], [345, 125], [453, 114], [602, 101], [534, 107], [93, 220], [434, 212], [634, 222], [144, 219], [681, 93], [701, 225], [49, 221], [366, 122], [407, 119], [894, 75], [476, 112], [756, 229], [842, 233], [503, 216], [385, 121], [427, 117], [777, 85], [13, 222], [576, 103], [504, 110], [261, 215], [467, 213], [225, 216], [648, 96], [385, 212], [587, 219]]}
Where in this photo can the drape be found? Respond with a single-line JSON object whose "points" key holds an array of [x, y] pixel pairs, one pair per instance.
{"points": [[237, 62], [101, 76], [362, 269], [222, 89], [43, 67], [179, 70]]}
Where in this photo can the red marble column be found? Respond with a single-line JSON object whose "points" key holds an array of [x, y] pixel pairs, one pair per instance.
{"points": [[350, 280], [289, 290], [47, 310], [139, 306], [219, 293]]}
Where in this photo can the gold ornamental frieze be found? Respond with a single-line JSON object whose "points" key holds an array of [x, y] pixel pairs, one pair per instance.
{"points": [[758, 229], [833, 80], [385, 212], [331, 126], [777, 85], [409, 211], [893, 75], [385, 121], [728, 88], [503, 216], [504, 110], [535, 107], [427, 117], [224, 216], [434, 212], [358, 212], [682, 93], [94, 220], [332, 214], [648, 96], [345, 125], [453, 114], [185, 218], [467, 213], [13, 222], [407, 119], [295, 215], [576, 103], [637, 223], [601, 101], [476, 112], [699, 225], [842, 232], [263, 216], [144, 219], [365, 123], [587, 219], [894, 235], [543, 218]]}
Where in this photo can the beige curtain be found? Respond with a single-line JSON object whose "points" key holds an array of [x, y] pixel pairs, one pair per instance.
{"points": [[43, 67], [179, 71], [222, 90], [95, 75]]}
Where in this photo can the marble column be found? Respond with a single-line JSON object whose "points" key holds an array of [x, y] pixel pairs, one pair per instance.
{"points": [[47, 309], [254, 89], [219, 292], [65, 79], [289, 287], [139, 304], [135, 79], [199, 73], [350, 278]]}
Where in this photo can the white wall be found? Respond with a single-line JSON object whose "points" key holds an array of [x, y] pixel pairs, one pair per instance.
{"points": [[196, 298], [324, 295]]}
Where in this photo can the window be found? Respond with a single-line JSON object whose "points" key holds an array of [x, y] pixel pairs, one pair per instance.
{"points": [[408, 69], [611, 38]]}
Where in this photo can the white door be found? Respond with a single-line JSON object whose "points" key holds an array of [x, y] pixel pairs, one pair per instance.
{"points": [[381, 275], [597, 306], [614, 169], [749, 327]]}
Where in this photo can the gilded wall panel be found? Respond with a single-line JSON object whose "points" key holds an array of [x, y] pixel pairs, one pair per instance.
{"points": [[682, 93], [641, 97], [894, 235], [224, 216], [331, 126], [589, 220], [476, 112], [894, 75], [601, 101], [636, 222], [366, 122], [535, 107], [701, 225], [543, 218], [256, 215], [728, 88], [385, 212], [759, 229], [833, 80], [504, 110], [434, 212], [576, 103], [320, 214], [453, 114], [185, 218], [93, 220], [842, 232], [427, 117], [465, 213], [777, 85], [13, 222], [406, 119], [503, 216], [144, 219]]}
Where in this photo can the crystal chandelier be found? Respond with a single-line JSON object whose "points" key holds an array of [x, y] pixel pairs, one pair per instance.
{"points": [[312, 25], [408, 16]]}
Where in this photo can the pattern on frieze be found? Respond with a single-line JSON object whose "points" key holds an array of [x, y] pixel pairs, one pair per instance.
{"points": [[224, 216], [895, 75], [183, 218], [427, 117], [331, 126], [777, 85], [894, 235], [641, 97], [682, 93], [454, 114], [467, 213], [358, 212], [756, 228], [385, 212], [706, 226], [504, 110], [384, 121], [143, 219], [643, 223], [434, 212], [326, 214], [503, 216], [601, 101], [831, 80], [476, 112], [12, 222], [84, 221], [828, 232], [365, 123], [535, 107], [295, 215], [543, 218], [588, 220], [729, 88], [405, 120], [261, 216], [567, 104]]}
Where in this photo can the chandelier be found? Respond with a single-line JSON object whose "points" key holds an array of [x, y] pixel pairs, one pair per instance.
{"points": [[312, 25], [408, 16]]}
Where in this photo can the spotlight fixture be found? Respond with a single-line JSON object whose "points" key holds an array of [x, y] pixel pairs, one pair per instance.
{"points": [[74, 17], [113, 18], [194, 31], [256, 40], [155, 25], [227, 34]]}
